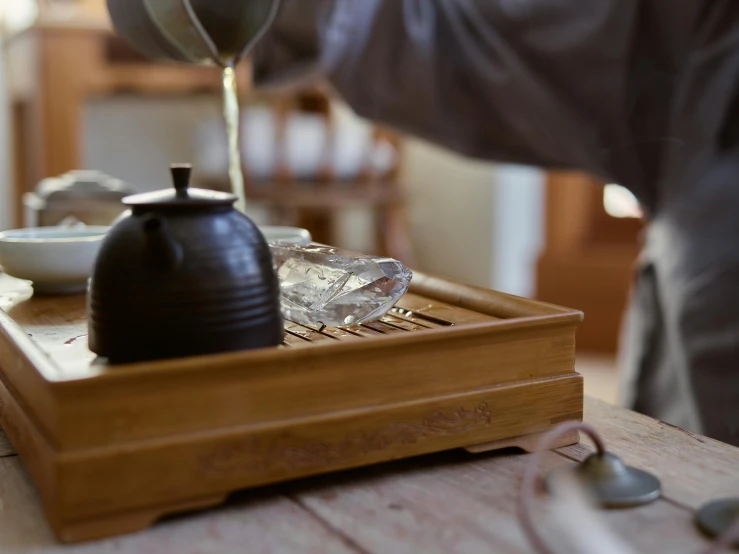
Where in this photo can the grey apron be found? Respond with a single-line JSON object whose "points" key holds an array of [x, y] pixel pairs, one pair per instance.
{"points": [[641, 92]]}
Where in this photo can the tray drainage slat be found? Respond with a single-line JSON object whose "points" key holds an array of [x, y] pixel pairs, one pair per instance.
{"points": [[306, 333], [382, 327], [420, 319], [404, 324], [398, 321], [340, 333]]}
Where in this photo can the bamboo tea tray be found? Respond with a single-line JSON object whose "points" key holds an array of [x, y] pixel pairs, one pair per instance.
{"points": [[111, 449]]}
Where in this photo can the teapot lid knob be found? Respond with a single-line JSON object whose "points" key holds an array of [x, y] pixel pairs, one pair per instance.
{"points": [[183, 196], [181, 177]]}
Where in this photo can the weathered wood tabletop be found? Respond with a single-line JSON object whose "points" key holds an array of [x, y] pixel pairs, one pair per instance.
{"points": [[450, 502]]}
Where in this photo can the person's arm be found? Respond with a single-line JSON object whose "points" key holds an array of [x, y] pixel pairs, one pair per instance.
{"points": [[531, 81]]}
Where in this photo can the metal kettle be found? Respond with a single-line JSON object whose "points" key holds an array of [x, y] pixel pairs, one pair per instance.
{"points": [[193, 31], [91, 197]]}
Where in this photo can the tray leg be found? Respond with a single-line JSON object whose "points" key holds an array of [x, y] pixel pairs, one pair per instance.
{"points": [[122, 523], [528, 443]]}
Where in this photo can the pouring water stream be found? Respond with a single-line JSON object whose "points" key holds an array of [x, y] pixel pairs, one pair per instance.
{"points": [[231, 109]]}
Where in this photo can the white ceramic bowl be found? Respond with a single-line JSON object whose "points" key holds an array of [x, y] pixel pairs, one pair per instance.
{"points": [[290, 235], [58, 260]]}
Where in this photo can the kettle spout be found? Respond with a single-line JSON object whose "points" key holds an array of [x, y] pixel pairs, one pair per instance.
{"points": [[161, 250]]}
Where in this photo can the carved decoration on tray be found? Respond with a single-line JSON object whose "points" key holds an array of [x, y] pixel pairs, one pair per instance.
{"points": [[289, 452]]}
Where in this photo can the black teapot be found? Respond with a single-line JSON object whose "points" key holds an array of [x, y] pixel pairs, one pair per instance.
{"points": [[182, 273]]}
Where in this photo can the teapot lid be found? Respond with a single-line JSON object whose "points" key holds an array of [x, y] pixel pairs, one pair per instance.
{"points": [[181, 195]]}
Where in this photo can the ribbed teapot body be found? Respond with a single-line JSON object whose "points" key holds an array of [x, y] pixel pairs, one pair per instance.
{"points": [[184, 283]]}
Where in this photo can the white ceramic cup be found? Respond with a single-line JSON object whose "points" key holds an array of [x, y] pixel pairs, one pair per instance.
{"points": [[59, 260], [289, 235]]}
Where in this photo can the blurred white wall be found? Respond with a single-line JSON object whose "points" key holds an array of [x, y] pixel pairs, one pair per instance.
{"points": [[5, 153], [135, 139], [518, 228], [451, 208]]}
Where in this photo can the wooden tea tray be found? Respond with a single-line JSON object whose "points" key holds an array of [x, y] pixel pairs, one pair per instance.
{"points": [[111, 449]]}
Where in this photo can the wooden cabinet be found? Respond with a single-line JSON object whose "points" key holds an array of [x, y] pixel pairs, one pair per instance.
{"points": [[588, 258]]}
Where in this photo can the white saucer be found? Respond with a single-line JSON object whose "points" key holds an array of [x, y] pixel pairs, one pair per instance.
{"points": [[58, 260]]}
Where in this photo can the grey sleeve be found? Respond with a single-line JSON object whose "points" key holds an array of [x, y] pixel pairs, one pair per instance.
{"points": [[529, 81]]}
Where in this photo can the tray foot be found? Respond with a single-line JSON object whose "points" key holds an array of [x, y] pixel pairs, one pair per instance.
{"points": [[121, 523], [527, 443]]}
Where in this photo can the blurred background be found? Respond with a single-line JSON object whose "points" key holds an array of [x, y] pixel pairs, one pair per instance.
{"points": [[73, 96]]}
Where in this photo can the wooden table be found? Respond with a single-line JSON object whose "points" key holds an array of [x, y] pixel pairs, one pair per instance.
{"points": [[451, 502]]}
